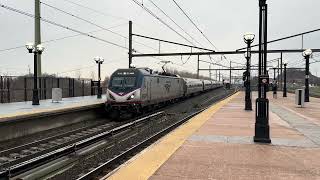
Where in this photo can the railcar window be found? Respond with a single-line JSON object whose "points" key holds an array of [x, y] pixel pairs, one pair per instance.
{"points": [[123, 81]]}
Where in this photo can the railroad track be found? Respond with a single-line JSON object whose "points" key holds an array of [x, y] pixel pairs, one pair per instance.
{"points": [[25, 157], [106, 167], [123, 139]]}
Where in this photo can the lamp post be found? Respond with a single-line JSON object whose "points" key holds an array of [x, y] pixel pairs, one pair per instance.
{"points": [[262, 129], [274, 84], [248, 39], [99, 61], [36, 50], [306, 54], [285, 80]]}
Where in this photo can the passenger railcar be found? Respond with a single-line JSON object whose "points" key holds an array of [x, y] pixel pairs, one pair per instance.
{"points": [[136, 89]]}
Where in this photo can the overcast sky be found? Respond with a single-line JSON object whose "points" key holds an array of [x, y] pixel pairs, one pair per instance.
{"points": [[223, 21]]}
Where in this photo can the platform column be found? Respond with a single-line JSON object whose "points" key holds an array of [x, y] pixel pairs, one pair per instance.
{"points": [[262, 130], [285, 81]]}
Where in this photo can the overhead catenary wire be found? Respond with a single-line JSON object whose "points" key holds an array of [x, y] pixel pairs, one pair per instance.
{"points": [[96, 11], [62, 26], [160, 20], [179, 28], [174, 22], [92, 23], [61, 38], [194, 24]]}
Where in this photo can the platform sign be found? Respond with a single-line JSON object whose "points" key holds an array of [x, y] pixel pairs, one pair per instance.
{"points": [[264, 79], [56, 94]]}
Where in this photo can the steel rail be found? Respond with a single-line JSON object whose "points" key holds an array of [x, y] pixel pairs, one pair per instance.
{"points": [[68, 149]]}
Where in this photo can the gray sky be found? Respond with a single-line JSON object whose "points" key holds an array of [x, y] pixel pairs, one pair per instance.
{"points": [[223, 21]]}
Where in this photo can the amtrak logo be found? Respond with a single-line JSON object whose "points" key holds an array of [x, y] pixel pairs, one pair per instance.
{"points": [[121, 93]]}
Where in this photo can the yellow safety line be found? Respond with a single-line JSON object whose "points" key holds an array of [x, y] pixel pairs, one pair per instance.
{"points": [[146, 163]]}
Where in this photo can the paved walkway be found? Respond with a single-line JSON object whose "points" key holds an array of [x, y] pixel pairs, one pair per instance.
{"points": [[10, 110], [218, 144]]}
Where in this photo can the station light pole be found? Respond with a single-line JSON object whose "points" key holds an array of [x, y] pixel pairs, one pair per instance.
{"points": [[285, 80], [262, 129], [307, 53], [99, 61], [248, 39], [36, 50], [274, 83]]}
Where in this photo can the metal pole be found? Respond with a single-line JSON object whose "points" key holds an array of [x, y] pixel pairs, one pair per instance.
{"points": [[216, 75], [25, 89], [306, 99], [281, 77], [285, 81], [219, 76], [198, 67], [278, 78], [248, 101], [1, 89], [262, 130], [210, 71], [275, 82], [230, 73], [99, 80], [130, 43], [35, 93], [37, 33]]}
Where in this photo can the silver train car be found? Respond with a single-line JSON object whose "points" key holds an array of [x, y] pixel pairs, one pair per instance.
{"points": [[138, 89]]}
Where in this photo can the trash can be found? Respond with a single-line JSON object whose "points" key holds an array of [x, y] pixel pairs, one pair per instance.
{"points": [[56, 94], [300, 97]]}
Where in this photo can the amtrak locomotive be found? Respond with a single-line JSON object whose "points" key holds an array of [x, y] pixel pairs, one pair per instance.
{"points": [[137, 89]]}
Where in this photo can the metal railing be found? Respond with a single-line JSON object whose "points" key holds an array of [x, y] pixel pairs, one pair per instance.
{"points": [[19, 88]]}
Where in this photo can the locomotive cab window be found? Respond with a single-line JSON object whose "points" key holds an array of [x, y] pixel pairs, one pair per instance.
{"points": [[123, 81]]}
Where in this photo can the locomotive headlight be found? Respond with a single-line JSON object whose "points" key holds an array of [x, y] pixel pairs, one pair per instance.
{"points": [[130, 97], [111, 97]]}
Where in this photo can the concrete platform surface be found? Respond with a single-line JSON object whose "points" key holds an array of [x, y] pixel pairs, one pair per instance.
{"points": [[218, 144], [11, 110]]}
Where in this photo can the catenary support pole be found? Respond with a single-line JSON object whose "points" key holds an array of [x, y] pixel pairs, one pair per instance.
{"points": [[37, 33], [281, 71], [130, 43], [198, 67]]}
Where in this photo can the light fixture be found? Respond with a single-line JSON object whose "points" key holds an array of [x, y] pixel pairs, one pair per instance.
{"points": [[40, 48], [30, 47], [132, 65], [248, 37], [307, 52], [99, 59]]}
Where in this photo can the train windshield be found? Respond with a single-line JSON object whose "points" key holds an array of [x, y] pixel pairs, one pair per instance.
{"points": [[123, 82]]}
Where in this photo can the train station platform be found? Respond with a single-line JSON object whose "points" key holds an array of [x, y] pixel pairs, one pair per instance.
{"points": [[19, 109], [218, 144]]}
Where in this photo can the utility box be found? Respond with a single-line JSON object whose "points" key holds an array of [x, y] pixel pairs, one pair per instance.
{"points": [[300, 97], [56, 94]]}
